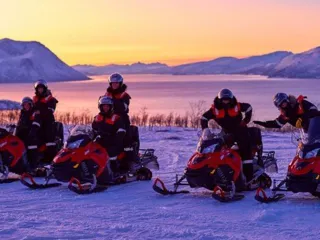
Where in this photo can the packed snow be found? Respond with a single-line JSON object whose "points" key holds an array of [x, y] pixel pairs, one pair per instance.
{"points": [[22, 61], [135, 211]]}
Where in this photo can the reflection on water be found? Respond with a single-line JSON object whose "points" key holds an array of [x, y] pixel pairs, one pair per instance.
{"points": [[167, 93]]}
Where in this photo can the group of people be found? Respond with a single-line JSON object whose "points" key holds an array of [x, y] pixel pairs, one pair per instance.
{"points": [[112, 125], [227, 111]]}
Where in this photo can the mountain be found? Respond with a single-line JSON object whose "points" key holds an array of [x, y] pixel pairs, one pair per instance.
{"points": [[302, 65], [22, 61], [275, 64], [136, 68], [230, 65], [9, 105]]}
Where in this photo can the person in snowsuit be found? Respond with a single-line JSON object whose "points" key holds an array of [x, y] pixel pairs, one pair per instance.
{"points": [[295, 111], [109, 130], [28, 130], [227, 112], [121, 101], [45, 104]]}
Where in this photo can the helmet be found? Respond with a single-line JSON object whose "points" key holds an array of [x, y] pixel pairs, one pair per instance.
{"points": [[105, 101], [115, 78], [26, 100], [225, 94], [279, 98], [41, 83]]}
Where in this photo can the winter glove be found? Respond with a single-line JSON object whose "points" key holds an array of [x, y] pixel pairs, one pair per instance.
{"points": [[263, 124], [299, 123]]}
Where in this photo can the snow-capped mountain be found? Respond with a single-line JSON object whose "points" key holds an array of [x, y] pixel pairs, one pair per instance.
{"points": [[22, 61], [136, 68], [302, 65], [8, 105], [230, 65], [275, 64]]}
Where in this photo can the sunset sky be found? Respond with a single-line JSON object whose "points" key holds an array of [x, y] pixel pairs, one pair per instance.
{"points": [[171, 31]]}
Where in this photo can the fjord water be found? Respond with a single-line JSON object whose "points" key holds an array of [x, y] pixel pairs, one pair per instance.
{"points": [[168, 93]]}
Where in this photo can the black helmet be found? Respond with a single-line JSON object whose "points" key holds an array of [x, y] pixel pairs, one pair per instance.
{"points": [[41, 83], [115, 78], [225, 94], [279, 98], [26, 100], [105, 101]]}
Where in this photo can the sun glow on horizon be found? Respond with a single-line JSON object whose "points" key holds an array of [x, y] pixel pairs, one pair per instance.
{"points": [[174, 32]]}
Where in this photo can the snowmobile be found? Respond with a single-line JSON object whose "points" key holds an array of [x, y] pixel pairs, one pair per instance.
{"points": [[303, 174], [85, 164], [217, 166], [13, 153], [13, 156]]}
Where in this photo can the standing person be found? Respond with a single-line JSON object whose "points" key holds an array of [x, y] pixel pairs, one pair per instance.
{"points": [[121, 101], [45, 103], [295, 111]]}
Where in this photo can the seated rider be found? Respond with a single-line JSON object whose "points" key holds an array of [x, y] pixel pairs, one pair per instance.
{"points": [[109, 129], [227, 112], [28, 130]]}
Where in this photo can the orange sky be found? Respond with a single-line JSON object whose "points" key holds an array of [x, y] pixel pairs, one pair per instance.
{"points": [[170, 31]]}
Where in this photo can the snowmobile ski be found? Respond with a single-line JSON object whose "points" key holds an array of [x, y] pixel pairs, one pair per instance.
{"points": [[265, 199], [9, 180], [87, 188], [164, 191], [34, 185], [222, 196]]}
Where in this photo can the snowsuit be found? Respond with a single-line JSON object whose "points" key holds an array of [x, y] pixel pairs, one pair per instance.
{"points": [[111, 130], [297, 114], [28, 131], [46, 105], [121, 102], [230, 118]]}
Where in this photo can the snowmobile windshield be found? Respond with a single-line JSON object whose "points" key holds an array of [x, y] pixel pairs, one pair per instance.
{"points": [[210, 141], [314, 131], [311, 146], [79, 136]]}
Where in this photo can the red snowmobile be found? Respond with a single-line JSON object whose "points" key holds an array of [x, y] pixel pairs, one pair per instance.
{"points": [[86, 166], [303, 173], [217, 166], [12, 156]]}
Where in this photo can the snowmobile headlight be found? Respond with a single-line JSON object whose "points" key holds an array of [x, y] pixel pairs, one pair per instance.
{"points": [[210, 149], [75, 144], [312, 153]]}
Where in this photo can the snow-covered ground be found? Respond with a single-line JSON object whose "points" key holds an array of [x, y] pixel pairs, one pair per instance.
{"points": [[135, 211]]}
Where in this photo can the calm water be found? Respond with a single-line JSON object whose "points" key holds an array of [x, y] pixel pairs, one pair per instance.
{"points": [[167, 93]]}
